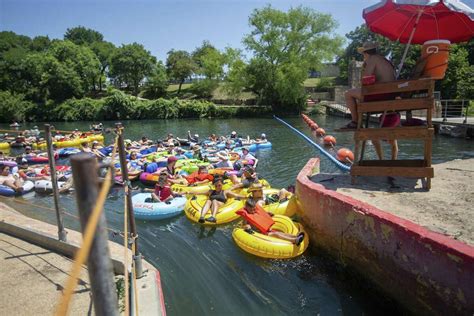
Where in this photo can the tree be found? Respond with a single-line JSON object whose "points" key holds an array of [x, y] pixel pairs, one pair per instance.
{"points": [[12, 40], [104, 52], [282, 42], [179, 66], [458, 82], [13, 107], [156, 83], [209, 61], [81, 35], [235, 79], [130, 64], [81, 59], [40, 43]]}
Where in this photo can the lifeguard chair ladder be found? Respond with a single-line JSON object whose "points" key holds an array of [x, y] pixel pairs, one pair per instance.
{"points": [[415, 95]]}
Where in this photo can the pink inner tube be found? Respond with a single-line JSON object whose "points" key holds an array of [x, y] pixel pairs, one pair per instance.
{"points": [[8, 163]]}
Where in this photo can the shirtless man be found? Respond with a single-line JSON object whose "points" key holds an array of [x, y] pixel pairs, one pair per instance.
{"points": [[374, 64]]}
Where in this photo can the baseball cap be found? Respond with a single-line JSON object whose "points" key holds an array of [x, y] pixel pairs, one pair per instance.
{"points": [[234, 132], [172, 158]]}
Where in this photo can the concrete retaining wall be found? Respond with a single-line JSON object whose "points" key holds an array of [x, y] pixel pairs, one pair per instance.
{"points": [[426, 272]]}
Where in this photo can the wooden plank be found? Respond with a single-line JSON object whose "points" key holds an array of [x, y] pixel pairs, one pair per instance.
{"points": [[408, 172], [394, 163], [397, 86], [396, 105], [393, 133]]}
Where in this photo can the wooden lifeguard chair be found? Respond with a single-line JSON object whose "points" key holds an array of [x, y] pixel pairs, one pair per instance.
{"points": [[411, 95]]}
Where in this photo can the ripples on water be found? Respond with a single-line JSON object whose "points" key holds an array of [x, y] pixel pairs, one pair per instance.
{"points": [[203, 271]]}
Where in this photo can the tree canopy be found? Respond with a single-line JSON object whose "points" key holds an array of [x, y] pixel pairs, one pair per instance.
{"points": [[180, 66], [285, 45], [81, 35], [130, 64]]}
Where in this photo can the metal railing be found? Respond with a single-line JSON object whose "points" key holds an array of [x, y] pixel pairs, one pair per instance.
{"points": [[455, 109]]}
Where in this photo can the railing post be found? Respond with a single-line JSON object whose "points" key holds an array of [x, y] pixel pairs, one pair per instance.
{"points": [[445, 110], [99, 265], [62, 234], [137, 257], [467, 110]]}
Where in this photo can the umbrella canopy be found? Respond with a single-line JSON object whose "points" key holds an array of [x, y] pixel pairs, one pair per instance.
{"points": [[432, 19]]}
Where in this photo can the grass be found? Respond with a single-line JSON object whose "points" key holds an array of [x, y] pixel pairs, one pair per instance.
{"points": [[221, 94], [311, 82]]}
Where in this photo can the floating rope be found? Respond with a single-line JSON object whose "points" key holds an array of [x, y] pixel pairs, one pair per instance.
{"points": [[339, 164]]}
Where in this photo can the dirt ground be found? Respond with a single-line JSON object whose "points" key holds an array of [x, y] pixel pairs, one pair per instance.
{"points": [[447, 208]]}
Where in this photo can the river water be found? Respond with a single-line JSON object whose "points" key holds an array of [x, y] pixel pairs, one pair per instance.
{"points": [[203, 272]]}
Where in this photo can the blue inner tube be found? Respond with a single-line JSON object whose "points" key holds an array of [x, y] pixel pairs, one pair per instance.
{"points": [[339, 164], [156, 210], [28, 186], [68, 151]]}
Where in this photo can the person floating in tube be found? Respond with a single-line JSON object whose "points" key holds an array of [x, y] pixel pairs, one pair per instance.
{"points": [[257, 219]]}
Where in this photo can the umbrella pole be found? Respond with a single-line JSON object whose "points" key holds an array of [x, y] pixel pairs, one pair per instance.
{"points": [[400, 66]]}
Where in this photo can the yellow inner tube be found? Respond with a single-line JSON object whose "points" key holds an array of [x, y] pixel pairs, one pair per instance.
{"points": [[198, 189], [4, 145], [287, 207], [271, 247], [225, 214], [71, 143]]}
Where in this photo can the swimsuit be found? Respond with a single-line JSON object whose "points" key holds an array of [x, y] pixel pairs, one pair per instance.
{"points": [[218, 196]]}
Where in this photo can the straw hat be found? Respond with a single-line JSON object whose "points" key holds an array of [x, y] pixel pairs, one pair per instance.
{"points": [[257, 186], [367, 46]]}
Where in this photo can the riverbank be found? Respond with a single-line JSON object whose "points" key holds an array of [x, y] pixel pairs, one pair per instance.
{"points": [[117, 105], [423, 270], [446, 208]]}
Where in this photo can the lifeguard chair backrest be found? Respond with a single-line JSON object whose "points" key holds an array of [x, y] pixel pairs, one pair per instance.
{"points": [[260, 219]]}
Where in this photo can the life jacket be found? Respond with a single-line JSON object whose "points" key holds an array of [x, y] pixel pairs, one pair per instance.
{"points": [[260, 219], [195, 176]]}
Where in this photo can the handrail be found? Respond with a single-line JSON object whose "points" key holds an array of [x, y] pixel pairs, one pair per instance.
{"points": [[339, 164], [83, 252]]}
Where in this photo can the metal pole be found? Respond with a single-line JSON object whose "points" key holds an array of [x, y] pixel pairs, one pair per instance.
{"points": [[62, 234], [445, 110], [99, 265], [137, 257], [467, 111]]}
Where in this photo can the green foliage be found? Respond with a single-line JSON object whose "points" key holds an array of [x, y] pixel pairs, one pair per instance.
{"points": [[179, 66], [104, 52], [81, 35], [236, 79], [85, 109], [209, 61], [203, 88], [285, 46], [130, 64], [10, 40], [40, 43], [458, 81], [325, 84], [81, 59], [157, 83], [13, 107], [117, 105]]}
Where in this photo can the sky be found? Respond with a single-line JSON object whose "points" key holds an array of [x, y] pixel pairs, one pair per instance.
{"points": [[161, 25]]}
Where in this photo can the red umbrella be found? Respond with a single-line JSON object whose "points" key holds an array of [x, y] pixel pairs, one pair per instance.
{"points": [[418, 21]]}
